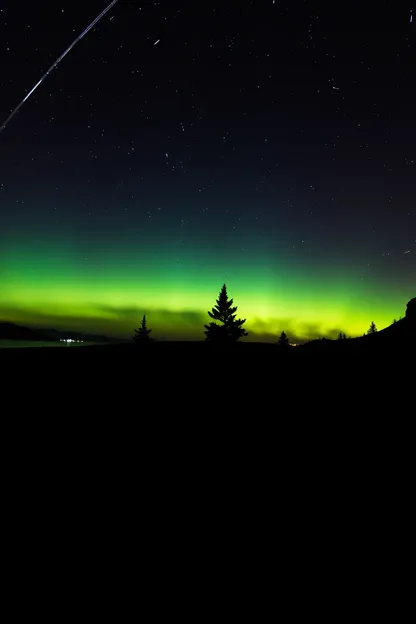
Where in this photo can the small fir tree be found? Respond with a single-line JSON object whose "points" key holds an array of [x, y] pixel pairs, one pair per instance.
{"points": [[283, 340], [231, 328], [372, 329], [143, 333]]}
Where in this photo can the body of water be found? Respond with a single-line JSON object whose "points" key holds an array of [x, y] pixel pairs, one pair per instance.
{"points": [[20, 344]]}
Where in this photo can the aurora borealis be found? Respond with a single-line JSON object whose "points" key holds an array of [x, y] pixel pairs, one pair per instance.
{"points": [[253, 145]]}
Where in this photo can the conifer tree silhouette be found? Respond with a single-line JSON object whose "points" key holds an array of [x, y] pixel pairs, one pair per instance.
{"points": [[143, 333], [372, 329], [231, 328], [341, 336], [283, 340]]}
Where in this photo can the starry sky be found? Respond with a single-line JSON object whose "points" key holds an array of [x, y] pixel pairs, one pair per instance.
{"points": [[181, 145]]}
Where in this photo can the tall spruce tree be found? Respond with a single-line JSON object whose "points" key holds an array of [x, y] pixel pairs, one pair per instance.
{"points": [[143, 333], [372, 329], [231, 328]]}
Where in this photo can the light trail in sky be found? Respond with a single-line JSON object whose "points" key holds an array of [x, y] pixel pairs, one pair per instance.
{"points": [[56, 63]]}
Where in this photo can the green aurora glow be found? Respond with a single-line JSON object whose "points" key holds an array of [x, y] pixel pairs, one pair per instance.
{"points": [[139, 178], [107, 291]]}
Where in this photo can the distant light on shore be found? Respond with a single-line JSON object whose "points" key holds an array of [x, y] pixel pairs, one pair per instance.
{"points": [[69, 340]]}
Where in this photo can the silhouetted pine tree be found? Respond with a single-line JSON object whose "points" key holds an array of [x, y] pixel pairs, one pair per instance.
{"points": [[283, 340], [231, 329], [372, 329], [143, 333], [341, 336]]}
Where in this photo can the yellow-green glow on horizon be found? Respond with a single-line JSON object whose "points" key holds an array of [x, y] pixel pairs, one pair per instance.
{"points": [[57, 291], [143, 177]]}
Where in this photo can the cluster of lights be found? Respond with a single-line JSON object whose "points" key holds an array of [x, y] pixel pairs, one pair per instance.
{"points": [[69, 340]]}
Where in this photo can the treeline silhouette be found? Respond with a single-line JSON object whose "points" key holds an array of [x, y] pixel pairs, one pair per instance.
{"points": [[226, 328]]}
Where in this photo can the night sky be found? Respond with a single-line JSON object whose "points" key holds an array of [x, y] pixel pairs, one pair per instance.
{"points": [[181, 145]]}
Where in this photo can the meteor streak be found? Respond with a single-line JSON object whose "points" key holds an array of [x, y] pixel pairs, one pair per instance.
{"points": [[56, 63]]}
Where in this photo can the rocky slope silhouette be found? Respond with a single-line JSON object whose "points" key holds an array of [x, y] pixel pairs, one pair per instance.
{"points": [[411, 309]]}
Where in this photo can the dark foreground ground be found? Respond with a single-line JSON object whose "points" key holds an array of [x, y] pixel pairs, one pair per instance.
{"points": [[199, 364], [172, 386], [225, 458], [183, 442]]}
